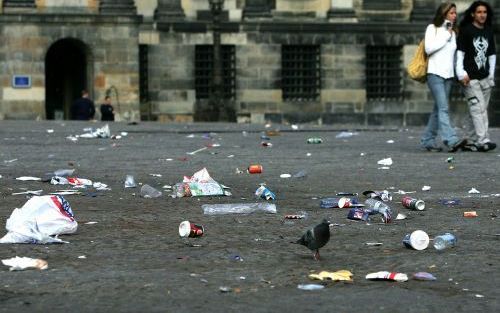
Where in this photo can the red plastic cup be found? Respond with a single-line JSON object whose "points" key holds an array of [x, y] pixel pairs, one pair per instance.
{"points": [[192, 230]]}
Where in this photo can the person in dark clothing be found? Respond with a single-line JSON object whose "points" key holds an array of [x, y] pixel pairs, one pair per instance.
{"points": [[83, 109], [107, 110]]}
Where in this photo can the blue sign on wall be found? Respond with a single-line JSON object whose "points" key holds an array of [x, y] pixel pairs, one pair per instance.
{"points": [[21, 81]]}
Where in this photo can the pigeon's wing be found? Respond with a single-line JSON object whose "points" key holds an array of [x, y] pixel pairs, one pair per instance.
{"points": [[321, 235], [307, 239]]}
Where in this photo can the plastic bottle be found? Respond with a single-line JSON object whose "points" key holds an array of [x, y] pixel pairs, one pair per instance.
{"points": [[314, 140], [238, 208], [382, 208], [149, 192], [130, 182], [445, 241]]}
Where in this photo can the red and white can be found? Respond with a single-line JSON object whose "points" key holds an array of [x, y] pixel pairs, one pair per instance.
{"points": [[188, 229], [255, 169], [470, 214], [412, 203]]}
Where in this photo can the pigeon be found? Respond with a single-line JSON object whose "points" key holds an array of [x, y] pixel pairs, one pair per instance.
{"points": [[316, 237]]}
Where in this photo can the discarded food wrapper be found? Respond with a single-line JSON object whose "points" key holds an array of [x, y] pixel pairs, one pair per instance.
{"points": [[382, 195], [426, 188], [102, 132], [264, 193], [19, 264], [386, 162], [474, 190], [150, 192], [358, 214], [200, 184], [74, 181], [238, 208], [40, 218], [449, 201], [400, 277], [342, 275], [470, 214], [310, 287], [423, 276]]}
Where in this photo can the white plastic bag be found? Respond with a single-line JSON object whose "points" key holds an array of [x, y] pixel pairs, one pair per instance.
{"points": [[39, 219]]}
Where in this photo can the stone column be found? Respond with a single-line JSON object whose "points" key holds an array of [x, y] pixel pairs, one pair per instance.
{"points": [[258, 8], [341, 9], [423, 10], [169, 10], [19, 4], [121, 7]]}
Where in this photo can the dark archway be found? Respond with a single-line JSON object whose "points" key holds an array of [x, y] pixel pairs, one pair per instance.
{"points": [[67, 71]]}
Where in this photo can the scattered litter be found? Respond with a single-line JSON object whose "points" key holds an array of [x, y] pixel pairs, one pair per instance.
{"points": [[400, 277], [400, 216], [155, 175], [474, 190], [102, 132], [285, 175], [295, 216], [314, 140], [225, 289], [238, 208], [50, 131], [300, 174], [74, 181], [196, 151], [264, 193], [373, 243], [383, 195], [19, 264], [310, 286], [384, 168], [450, 201], [29, 192], [386, 162], [417, 240], [10, 161], [200, 184], [40, 218], [82, 257], [130, 182], [66, 192], [470, 214], [445, 241], [149, 192], [423, 276], [402, 192], [342, 275], [28, 178], [90, 223], [426, 188], [390, 141], [345, 134], [255, 169], [192, 230], [479, 296]]}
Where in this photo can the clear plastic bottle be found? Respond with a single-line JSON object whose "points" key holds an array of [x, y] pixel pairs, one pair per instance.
{"points": [[382, 208], [445, 241], [238, 208]]}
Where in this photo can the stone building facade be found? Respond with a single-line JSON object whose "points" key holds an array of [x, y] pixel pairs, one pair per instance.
{"points": [[288, 61]]}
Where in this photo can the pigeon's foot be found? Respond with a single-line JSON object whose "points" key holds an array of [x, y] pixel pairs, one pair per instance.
{"points": [[316, 255]]}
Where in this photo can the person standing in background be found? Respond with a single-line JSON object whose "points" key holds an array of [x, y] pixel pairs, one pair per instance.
{"points": [[83, 109], [107, 110], [475, 69], [440, 46]]}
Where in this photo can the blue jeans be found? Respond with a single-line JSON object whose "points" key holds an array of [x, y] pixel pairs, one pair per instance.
{"points": [[439, 120]]}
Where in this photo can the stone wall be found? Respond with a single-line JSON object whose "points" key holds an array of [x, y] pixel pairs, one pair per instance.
{"points": [[112, 53]]}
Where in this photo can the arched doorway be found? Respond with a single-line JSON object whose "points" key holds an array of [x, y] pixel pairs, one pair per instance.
{"points": [[68, 70]]}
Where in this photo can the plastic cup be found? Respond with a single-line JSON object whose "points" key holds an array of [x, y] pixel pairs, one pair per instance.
{"points": [[417, 240], [192, 230]]}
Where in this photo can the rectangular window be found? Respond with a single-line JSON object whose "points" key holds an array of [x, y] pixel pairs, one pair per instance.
{"points": [[381, 5], [384, 76], [143, 74], [204, 56], [301, 72]]}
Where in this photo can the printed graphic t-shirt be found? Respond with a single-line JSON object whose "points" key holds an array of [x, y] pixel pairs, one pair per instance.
{"points": [[477, 44]]}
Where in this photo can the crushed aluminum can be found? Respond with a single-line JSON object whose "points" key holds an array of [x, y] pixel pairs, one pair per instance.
{"points": [[470, 214]]}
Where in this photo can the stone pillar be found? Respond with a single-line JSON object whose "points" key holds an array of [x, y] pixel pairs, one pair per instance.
{"points": [[169, 10], [19, 4], [342, 9], [258, 8], [423, 10], [121, 7]]}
